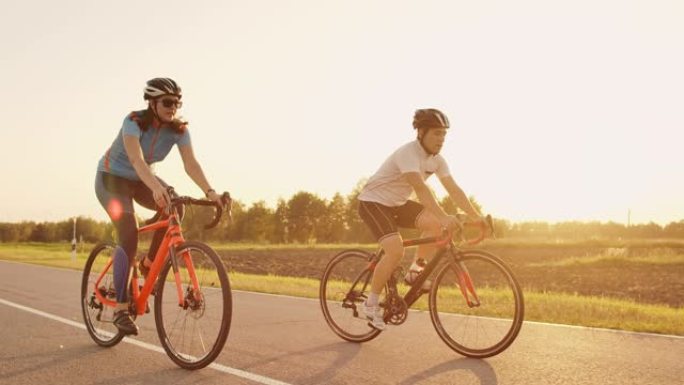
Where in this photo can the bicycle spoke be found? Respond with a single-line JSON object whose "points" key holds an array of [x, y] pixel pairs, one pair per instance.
{"points": [[344, 286], [194, 334], [98, 296]]}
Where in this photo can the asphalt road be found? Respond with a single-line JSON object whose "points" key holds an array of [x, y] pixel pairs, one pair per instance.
{"points": [[285, 340]]}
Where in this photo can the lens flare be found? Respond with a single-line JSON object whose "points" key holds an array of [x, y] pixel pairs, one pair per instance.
{"points": [[114, 209]]}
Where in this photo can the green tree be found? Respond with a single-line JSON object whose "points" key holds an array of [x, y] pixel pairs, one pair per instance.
{"points": [[332, 226], [196, 217], [258, 223], [304, 211], [674, 229], [40, 233], [230, 228], [9, 232], [279, 218], [357, 231]]}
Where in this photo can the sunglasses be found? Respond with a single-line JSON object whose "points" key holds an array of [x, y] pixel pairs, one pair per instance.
{"points": [[168, 103]]}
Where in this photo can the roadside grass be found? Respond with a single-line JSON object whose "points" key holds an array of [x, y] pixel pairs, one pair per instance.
{"points": [[621, 256], [552, 307], [594, 242]]}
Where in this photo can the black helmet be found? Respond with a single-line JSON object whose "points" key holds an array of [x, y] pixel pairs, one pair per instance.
{"points": [[430, 118], [161, 86]]}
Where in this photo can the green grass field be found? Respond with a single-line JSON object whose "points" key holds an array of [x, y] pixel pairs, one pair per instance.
{"points": [[554, 307]]}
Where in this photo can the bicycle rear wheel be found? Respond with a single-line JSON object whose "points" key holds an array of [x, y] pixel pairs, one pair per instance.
{"points": [[344, 286], [482, 330], [98, 278], [194, 332]]}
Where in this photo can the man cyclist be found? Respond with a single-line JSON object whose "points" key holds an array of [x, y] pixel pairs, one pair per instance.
{"points": [[384, 203]]}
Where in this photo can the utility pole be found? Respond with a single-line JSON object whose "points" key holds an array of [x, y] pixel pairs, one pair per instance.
{"points": [[73, 244]]}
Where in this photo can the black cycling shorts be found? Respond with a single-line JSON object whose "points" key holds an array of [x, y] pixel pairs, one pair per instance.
{"points": [[385, 220]]}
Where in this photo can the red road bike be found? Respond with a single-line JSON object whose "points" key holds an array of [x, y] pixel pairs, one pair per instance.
{"points": [[192, 296]]}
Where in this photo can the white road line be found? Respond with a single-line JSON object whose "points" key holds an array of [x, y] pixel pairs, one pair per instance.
{"points": [[221, 368]]}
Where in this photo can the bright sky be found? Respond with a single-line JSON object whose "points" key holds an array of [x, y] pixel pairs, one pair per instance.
{"points": [[560, 110]]}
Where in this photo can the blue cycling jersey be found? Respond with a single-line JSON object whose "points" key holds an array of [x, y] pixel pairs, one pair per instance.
{"points": [[156, 143]]}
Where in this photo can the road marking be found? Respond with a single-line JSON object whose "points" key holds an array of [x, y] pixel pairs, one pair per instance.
{"points": [[221, 368]]}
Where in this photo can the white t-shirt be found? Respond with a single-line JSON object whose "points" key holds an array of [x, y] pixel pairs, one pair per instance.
{"points": [[388, 186]]}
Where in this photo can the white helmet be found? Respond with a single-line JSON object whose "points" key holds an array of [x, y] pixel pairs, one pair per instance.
{"points": [[161, 86]]}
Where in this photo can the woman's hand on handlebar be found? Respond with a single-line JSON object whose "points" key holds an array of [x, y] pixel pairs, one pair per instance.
{"points": [[161, 196], [214, 196], [223, 200]]}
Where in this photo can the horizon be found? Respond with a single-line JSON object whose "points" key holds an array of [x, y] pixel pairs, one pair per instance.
{"points": [[559, 112], [140, 214]]}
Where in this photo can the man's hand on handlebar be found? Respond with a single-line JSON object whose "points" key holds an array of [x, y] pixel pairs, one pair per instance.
{"points": [[451, 223], [485, 223]]}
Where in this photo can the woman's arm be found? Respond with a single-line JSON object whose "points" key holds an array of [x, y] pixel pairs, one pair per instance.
{"points": [[194, 171]]}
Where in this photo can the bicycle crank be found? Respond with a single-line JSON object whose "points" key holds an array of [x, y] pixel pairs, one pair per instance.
{"points": [[396, 310]]}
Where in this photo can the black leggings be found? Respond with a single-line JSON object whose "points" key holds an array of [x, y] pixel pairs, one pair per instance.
{"points": [[116, 195]]}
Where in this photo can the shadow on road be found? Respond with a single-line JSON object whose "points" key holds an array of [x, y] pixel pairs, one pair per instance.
{"points": [[481, 368], [46, 360], [344, 353]]}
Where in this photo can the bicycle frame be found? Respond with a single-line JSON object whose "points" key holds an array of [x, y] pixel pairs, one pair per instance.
{"points": [[446, 246], [167, 249]]}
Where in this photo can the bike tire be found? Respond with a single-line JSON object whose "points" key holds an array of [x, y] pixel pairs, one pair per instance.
{"points": [[346, 272], [485, 330], [194, 335], [98, 317]]}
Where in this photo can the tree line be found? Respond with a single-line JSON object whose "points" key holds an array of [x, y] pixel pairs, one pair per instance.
{"points": [[306, 218]]}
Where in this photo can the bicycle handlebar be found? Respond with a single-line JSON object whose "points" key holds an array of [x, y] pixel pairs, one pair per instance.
{"points": [[485, 227], [226, 202]]}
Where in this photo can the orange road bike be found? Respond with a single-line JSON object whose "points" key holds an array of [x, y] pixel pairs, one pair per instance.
{"points": [[475, 302], [192, 297]]}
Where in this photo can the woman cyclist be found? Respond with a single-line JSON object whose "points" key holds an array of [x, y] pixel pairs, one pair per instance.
{"points": [[384, 203], [124, 175]]}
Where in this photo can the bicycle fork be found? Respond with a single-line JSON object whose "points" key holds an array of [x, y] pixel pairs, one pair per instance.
{"points": [[176, 275], [465, 282], [193, 290]]}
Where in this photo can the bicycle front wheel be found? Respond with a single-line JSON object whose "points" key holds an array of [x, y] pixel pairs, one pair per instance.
{"points": [[98, 296], [492, 320], [344, 286], [194, 328]]}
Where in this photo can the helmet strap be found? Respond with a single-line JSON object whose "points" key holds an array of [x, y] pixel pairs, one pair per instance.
{"points": [[153, 107], [420, 140]]}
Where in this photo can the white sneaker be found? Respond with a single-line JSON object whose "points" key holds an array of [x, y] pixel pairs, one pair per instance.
{"points": [[374, 314]]}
